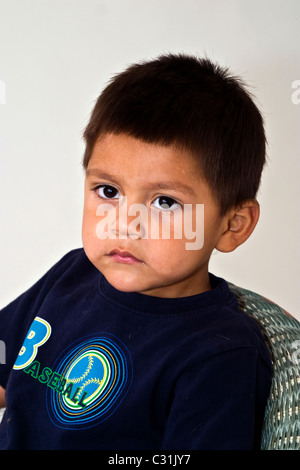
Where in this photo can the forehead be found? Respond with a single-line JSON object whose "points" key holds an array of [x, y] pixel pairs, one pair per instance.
{"points": [[125, 154]]}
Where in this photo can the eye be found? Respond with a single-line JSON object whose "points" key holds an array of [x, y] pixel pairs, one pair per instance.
{"points": [[107, 192], [165, 203]]}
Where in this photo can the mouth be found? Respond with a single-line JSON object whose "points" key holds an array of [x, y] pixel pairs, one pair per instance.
{"points": [[123, 257]]}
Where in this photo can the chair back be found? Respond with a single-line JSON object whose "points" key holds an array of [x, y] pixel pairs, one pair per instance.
{"points": [[281, 428]]}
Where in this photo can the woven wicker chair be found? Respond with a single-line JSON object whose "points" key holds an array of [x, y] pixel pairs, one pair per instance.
{"points": [[281, 429]]}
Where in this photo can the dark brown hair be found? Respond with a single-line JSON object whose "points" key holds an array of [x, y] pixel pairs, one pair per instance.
{"points": [[196, 105]]}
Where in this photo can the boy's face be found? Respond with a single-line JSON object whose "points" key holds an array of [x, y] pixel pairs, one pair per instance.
{"points": [[133, 250]]}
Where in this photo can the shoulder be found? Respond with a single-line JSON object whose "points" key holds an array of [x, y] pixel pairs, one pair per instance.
{"points": [[17, 316], [224, 327], [71, 260], [67, 267], [72, 264]]}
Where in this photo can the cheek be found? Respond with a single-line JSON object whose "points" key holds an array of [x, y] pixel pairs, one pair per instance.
{"points": [[89, 225], [212, 231], [168, 255]]}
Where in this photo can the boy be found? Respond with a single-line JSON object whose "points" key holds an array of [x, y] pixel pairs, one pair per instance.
{"points": [[130, 342]]}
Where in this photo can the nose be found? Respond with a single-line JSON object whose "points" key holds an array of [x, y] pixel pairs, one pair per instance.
{"points": [[131, 220]]}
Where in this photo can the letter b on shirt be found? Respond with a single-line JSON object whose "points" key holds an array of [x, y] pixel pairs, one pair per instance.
{"points": [[38, 333]]}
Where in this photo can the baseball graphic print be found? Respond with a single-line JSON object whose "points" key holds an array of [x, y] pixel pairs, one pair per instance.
{"points": [[96, 375]]}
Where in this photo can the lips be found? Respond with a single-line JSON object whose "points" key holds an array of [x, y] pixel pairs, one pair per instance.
{"points": [[123, 257]]}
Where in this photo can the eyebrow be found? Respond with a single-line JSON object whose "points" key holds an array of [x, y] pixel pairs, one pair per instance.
{"points": [[168, 185], [99, 174], [172, 186]]}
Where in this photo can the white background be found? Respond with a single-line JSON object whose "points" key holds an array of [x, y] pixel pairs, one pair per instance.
{"points": [[55, 58]]}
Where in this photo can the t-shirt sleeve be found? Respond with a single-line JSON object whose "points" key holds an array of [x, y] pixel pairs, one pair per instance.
{"points": [[16, 318], [219, 405]]}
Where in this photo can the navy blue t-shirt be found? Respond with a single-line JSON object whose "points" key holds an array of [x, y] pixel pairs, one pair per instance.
{"points": [[90, 367]]}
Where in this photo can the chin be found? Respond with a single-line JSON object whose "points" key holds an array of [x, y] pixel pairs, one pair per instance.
{"points": [[122, 282]]}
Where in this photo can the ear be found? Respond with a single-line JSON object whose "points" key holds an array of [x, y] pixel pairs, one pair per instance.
{"points": [[239, 224]]}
